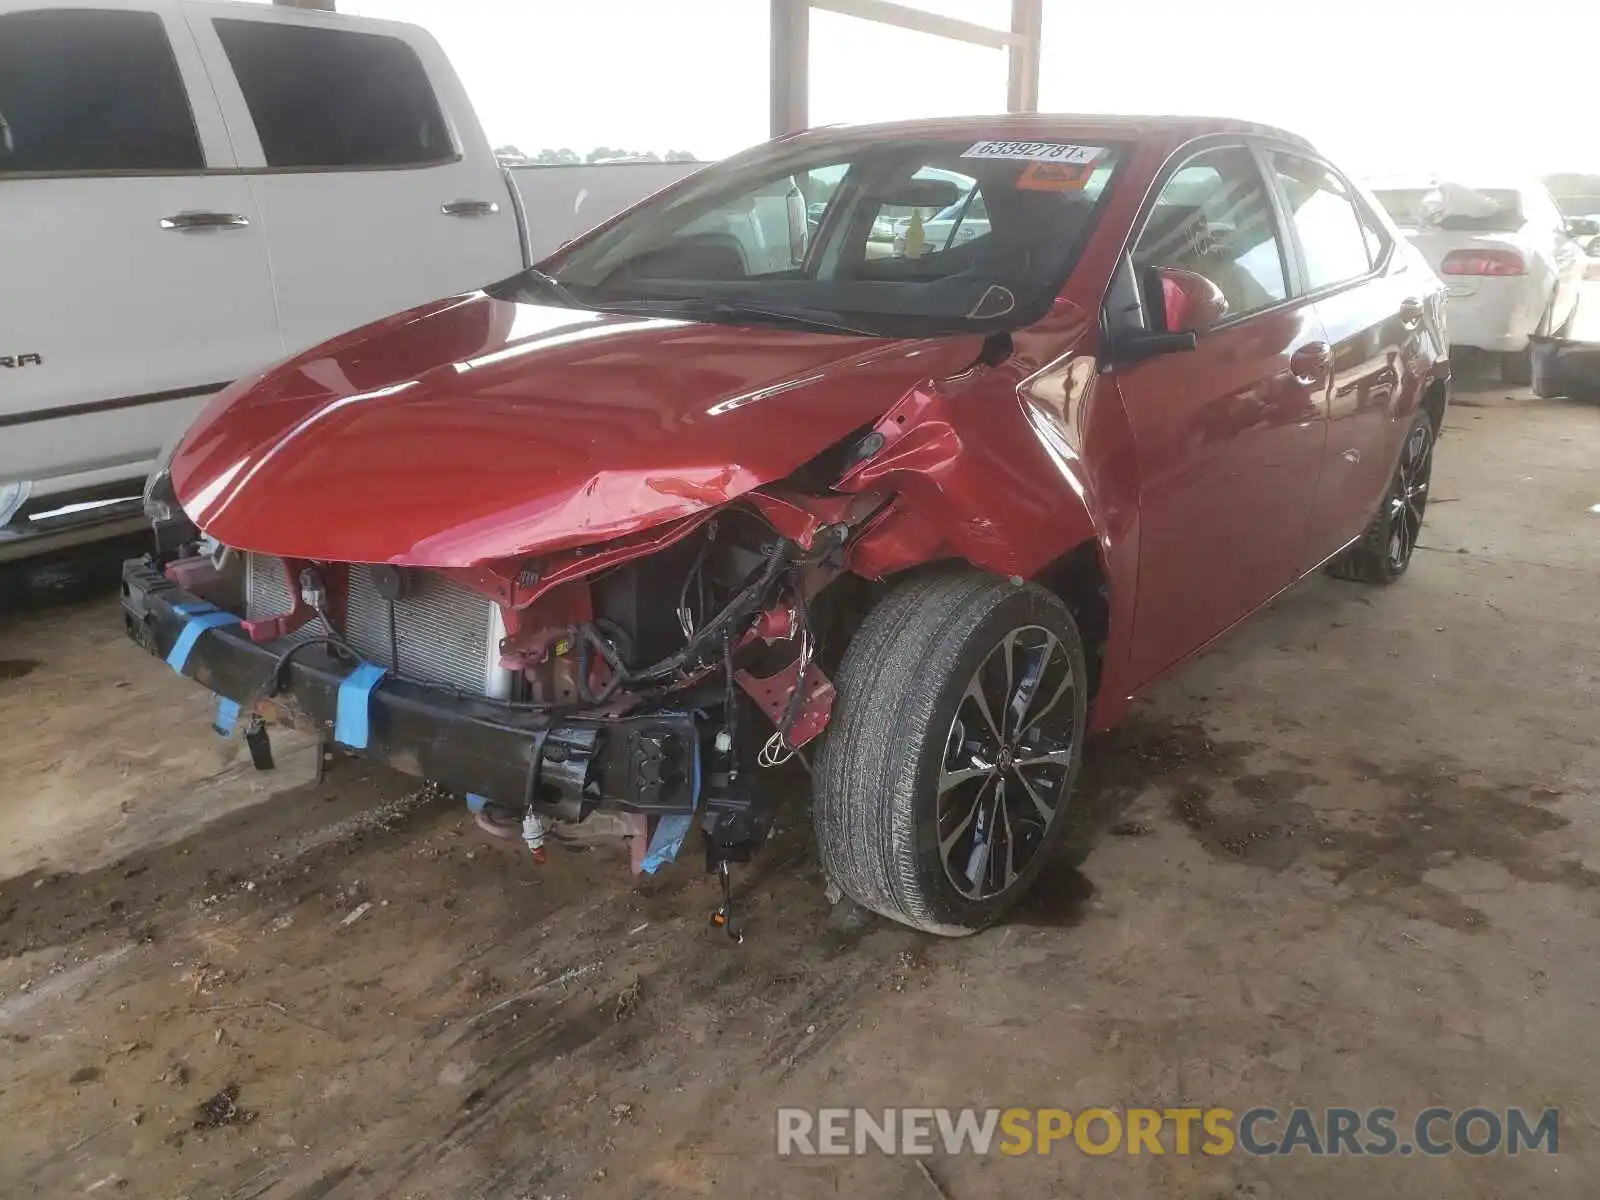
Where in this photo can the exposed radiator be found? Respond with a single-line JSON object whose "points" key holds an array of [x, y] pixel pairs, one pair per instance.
{"points": [[448, 634]]}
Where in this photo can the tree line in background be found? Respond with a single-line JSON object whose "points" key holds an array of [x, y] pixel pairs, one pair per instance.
{"points": [[511, 156]]}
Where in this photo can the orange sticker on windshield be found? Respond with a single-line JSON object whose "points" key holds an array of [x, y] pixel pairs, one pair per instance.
{"points": [[1055, 177]]}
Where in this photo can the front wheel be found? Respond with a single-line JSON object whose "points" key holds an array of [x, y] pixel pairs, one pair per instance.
{"points": [[1384, 551], [943, 785]]}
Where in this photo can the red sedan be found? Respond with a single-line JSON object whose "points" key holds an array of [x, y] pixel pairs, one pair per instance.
{"points": [[733, 480]]}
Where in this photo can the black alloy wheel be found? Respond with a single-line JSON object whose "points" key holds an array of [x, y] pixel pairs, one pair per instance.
{"points": [[1385, 550]]}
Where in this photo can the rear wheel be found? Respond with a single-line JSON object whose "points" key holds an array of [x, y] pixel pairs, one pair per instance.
{"points": [[943, 784], [1384, 551]]}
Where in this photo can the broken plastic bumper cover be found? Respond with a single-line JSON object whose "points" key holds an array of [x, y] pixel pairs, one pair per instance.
{"points": [[516, 757]]}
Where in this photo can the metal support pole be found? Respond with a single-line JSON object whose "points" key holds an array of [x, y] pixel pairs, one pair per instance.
{"points": [[791, 64], [1022, 80]]}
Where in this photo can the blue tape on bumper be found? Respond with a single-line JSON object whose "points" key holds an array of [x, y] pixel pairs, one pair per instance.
{"points": [[196, 624], [227, 715], [350, 727], [668, 840], [671, 830]]}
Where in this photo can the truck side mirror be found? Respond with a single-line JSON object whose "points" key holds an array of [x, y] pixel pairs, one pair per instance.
{"points": [[799, 226]]}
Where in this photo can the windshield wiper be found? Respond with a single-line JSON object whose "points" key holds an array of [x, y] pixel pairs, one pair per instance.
{"points": [[818, 319], [553, 285]]}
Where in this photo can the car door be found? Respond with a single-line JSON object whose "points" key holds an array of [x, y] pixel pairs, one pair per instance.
{"points": [[1371, 310], [377, 185], [1230, 434], [135, 264]]}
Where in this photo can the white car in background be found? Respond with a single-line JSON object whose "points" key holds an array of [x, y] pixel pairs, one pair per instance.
{"points": [[1506, 254]]}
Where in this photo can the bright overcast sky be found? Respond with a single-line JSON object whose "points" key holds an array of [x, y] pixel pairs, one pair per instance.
{"points": [[1380, 85]]}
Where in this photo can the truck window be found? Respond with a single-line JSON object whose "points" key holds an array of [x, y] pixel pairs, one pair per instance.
{"points": [[335, 97], [92, 90]]}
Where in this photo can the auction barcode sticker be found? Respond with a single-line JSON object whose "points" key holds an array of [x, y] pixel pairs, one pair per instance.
{"points": [[1035, 151]]}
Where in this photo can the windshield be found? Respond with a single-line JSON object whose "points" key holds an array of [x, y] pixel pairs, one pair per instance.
{"points": [[891, 239]]}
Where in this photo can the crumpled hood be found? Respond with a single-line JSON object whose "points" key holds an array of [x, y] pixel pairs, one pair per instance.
{"points": [[476, 429]]}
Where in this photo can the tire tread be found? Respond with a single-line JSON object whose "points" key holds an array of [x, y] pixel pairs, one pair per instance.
{"points": [[889, 684]]}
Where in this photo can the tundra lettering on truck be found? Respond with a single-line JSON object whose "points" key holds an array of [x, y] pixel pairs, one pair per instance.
{"points": [[21, 360]]}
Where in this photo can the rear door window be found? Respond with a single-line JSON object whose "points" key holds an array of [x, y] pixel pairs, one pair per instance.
{"points": [[92, 90], [1327, 220], [335, 98], [1214, 217]]}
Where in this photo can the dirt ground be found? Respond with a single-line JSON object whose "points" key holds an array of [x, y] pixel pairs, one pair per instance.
{"points": [[1349, 857]]}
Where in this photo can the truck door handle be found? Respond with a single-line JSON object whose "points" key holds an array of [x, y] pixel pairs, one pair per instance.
{"points": [[470, 208], [192, 222], [1310, 363], [1411, 312]]}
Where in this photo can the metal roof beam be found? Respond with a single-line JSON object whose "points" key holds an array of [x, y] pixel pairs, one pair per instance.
{"points": [[790, 85], [887, 12]]}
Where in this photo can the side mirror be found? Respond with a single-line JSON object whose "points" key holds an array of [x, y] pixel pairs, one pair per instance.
{"points": [[1183, 303], [1189, 302], [1582, 227]]}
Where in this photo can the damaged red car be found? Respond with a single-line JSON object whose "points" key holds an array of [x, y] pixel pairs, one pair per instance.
{"points": [[909, 452]]}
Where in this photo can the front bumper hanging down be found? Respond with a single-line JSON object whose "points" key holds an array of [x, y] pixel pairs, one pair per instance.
{"points": [[519, 757]]}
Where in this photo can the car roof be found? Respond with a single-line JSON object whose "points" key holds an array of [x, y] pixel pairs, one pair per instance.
{"points": [[1113, 127]]}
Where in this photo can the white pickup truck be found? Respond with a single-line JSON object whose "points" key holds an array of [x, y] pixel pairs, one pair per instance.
{"points": [[191, 190]]}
